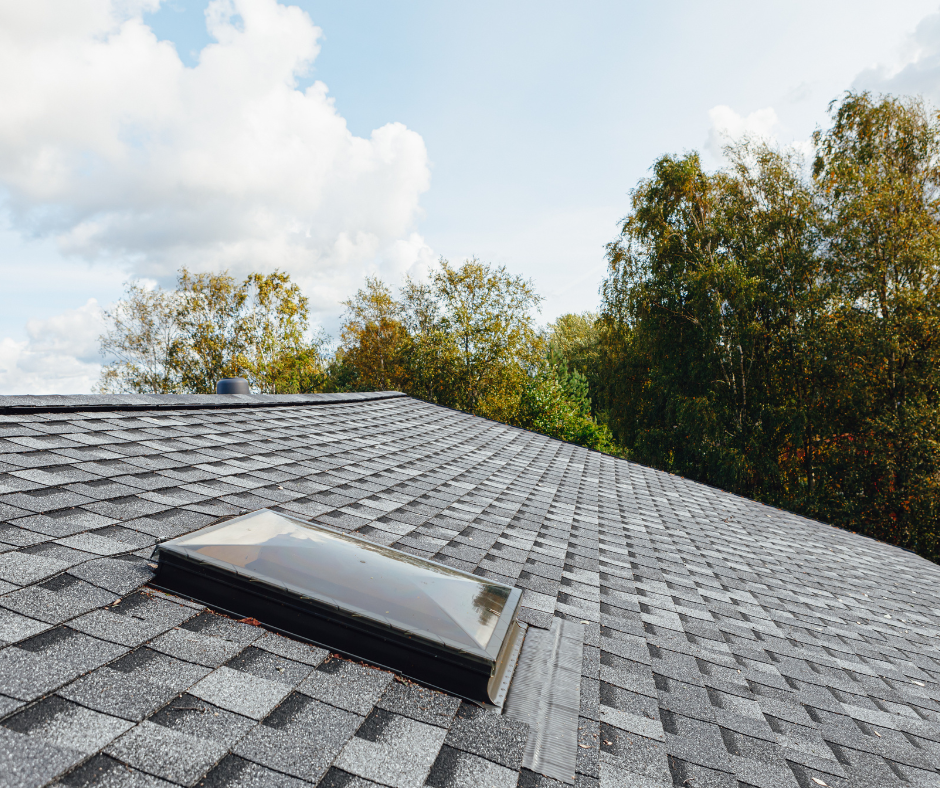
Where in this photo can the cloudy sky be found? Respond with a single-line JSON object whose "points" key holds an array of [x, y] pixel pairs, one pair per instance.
{"points": [[337, 139]]}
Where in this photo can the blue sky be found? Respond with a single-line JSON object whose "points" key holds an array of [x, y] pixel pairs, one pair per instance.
{"points": [[523, 128]]}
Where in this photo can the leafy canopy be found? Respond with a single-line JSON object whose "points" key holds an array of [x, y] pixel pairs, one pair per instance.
{"points": [[774, 328], [208, 328], [467, 339]]}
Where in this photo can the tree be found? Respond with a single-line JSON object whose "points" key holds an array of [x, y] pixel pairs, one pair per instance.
{"points": [[145, 339], [466, 339], [573, 337], [548, 406], [475, 324], [209, 314], [775, 333], [280, 355], [877, 170], [208, 328], [373, 338]]}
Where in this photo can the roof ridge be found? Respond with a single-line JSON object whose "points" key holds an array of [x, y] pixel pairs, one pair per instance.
{"points": [[65, 403]]}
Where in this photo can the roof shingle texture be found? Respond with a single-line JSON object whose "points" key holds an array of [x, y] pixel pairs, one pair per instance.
{"points": [[727, 643]]}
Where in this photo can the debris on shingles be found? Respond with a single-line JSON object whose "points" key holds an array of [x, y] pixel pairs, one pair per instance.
{"points": [[727, 643]]}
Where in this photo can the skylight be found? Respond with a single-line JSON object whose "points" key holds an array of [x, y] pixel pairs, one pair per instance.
{"points": [[433, 623]]}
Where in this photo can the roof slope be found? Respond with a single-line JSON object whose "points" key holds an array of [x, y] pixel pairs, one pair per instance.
{"points": [[727, 643]]}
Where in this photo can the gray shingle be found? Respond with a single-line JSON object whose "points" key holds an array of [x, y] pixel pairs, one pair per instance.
{"points": [[102, 771], [194, 717], [494, 737], [67, 725], [56, 600], [14, 627], [135, 685], [346, 685], [218, 626], [14, 536], [44, 499], [94, 544], [30, 459], [134, 620], [196, 647], [392, 749], [302, 738], [131, 698], [129, 538], [26, 762], [455, 769], [9, 705], [235, 772], [65, 522], [241, 692], [23, 568], [166, 753], [292, 649], [66, 556], [265, 665], [638, 756], [119, 575], [125, 508], [39, 665], [419, 703], [19, 480]]}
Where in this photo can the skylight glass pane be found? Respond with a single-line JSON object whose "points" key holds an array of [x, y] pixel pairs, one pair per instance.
{"points": [[394, 587], [384, 601]]}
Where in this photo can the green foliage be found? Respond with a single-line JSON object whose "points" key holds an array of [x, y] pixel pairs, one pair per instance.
{"points": [[775, 333], [878, 173], [573, 342], [475, 325], [546, 406], [144, 337], [465, 339], [372, 340], [208, 328]]}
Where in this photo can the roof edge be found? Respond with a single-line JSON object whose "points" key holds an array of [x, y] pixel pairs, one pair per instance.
{"points": [[75, 403]]}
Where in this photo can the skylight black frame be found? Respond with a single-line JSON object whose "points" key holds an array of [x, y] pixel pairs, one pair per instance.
{"points": [[481, 676]]}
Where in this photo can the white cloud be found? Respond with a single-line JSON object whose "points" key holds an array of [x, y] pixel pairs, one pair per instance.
{"points": [[109, 144], [409, 256], [915, 68], [60, 355], [728, 125]]}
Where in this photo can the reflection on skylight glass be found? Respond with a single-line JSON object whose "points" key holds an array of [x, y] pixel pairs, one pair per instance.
{"points": [[370, 580]]}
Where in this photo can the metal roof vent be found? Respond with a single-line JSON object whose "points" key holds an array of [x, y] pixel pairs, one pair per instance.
{"points": [[232, 386], [435, 624]]}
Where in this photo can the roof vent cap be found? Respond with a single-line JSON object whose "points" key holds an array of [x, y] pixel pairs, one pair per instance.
{"points": [[232, 386]]}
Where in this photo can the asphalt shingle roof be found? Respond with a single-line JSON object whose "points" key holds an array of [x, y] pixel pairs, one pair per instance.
{"points": [[727, 643]]}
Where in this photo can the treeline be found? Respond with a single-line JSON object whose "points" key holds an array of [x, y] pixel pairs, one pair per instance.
{"points": [[183, 341], [772, 329], [467, 338]]}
